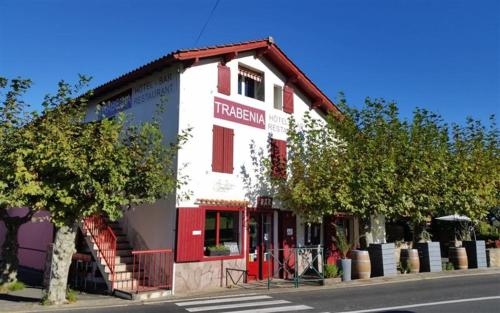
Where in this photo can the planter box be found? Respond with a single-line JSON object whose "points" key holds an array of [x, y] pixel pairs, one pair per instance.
{"points": [[494, 257], [345, 266], [218, 252], [382, 259], [476, 253], [430, 256], [331, 281]]}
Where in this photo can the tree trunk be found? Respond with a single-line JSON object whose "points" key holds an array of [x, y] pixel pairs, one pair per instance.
{"points": [[10, 262], [64, 248]]}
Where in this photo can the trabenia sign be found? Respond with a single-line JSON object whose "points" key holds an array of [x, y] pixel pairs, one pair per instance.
{"points": [[239, 113]]}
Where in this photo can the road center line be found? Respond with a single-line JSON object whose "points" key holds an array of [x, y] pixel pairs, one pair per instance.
{"points": [[290, 308], [423, 304]]}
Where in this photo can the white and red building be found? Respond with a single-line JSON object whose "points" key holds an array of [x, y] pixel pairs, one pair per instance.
{"points": [[230, 96]]}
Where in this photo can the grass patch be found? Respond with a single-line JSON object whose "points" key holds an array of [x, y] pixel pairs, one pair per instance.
{"points": [[45, 299], [71, 295], [11, 287]]}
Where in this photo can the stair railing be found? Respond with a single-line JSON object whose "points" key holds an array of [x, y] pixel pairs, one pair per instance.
{"points": [[105, 240]]}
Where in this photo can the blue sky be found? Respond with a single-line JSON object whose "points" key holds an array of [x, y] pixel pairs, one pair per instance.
{"points": [[443, 55]]}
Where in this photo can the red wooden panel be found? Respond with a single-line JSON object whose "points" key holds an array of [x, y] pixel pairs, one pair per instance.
{"points": [[218, 149], [288, 99], [287, 240], [190, 234], [224, 79], [228, 150], [278, 157]]}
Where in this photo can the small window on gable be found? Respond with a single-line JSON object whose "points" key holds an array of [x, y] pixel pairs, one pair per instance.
{"points": [[250, 83], [278, 97]]}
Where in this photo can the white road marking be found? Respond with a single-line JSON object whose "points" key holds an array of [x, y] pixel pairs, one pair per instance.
{"points": [[151, 302], [232, 299], [236, 305], [423, 304], [276, 309]]}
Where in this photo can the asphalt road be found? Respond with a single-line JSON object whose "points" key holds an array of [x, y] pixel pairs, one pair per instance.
{"points": [[479, 293]]}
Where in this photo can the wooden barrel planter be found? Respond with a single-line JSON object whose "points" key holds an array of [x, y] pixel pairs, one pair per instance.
{"points": [[458, 257], [361, 267], [410, 257]]}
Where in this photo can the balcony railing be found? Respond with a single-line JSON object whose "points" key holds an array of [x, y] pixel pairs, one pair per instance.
{"points": [[152, 270]]}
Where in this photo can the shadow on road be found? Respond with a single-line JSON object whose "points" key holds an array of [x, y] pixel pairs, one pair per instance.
{"points": [[13, 298]]}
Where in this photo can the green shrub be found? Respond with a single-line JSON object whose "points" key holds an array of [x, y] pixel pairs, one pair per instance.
{"points": [[447, 266], [487, 231], [332, 271], [15, 286], [71, 295], [218, 248]]}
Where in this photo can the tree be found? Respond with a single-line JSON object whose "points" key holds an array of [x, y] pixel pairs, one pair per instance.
{"points": [[18, 185], [474, 166], [371, 161], [422, 169], [93, 167]]}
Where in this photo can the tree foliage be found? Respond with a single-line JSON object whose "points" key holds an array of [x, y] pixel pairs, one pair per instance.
{"points": [[371, 161], [61, 162]]}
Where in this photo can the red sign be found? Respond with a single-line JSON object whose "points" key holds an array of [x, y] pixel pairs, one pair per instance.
{"points": [[239, 113], [264, 202]]}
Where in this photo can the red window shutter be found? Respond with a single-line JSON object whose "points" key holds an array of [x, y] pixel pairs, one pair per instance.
{"points": [[190, 234], [218, 149], [224, 79], [228, 150], [278, 158], [288, 99]]}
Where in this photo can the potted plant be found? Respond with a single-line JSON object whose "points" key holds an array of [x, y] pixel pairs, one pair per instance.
{"points": [[219, 250], [332, 275], [344, 247]]}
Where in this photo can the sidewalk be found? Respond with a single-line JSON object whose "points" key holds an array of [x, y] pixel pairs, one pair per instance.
{"points": [[28, 300]]}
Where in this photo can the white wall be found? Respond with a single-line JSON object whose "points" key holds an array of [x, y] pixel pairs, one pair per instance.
{"points": [[198, 87], [152, 226]]}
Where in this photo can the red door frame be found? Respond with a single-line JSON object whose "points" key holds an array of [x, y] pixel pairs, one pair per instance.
{"points": [[331, 252], [258, 269], [287, 241]]}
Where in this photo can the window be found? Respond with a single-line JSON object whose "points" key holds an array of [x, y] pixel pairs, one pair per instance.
{"points": [[278, 97], [312, 234], [278, 158], [222, 149], [222, 228], [250, 83]]}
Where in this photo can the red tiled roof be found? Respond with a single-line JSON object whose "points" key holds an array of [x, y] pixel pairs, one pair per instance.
{"points": [[222, 202], [265, 47]]}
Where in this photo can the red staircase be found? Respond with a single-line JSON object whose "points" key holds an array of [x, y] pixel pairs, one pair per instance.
{"points": [[127, 272]]}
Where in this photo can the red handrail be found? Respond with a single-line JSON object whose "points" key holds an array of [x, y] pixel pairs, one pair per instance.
{"points": [[104, 238], [152, 269]]}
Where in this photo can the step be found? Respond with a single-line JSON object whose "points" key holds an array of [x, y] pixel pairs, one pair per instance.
{"points": [[124, 252], [121, 238], [121, 268], [125, 284], [124, 259], [123, 246], [144, 295]]}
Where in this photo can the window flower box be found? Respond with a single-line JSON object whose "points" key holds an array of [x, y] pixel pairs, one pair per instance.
{"points": [[218, 251]]}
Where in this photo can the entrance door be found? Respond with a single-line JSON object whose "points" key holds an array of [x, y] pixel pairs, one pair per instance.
{"points": [[287, 231], [260, 240], [343, 224]]}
